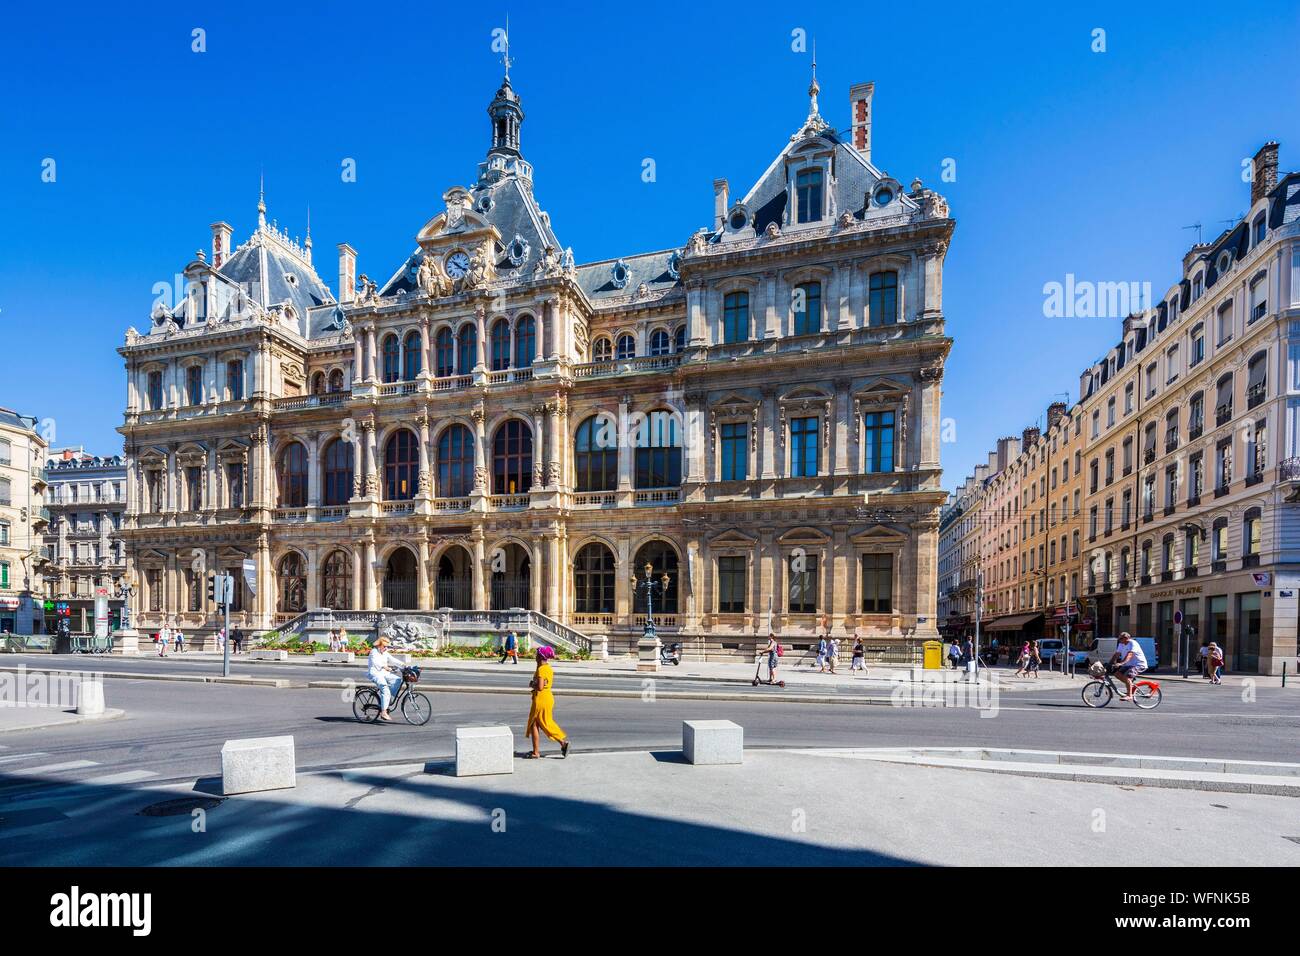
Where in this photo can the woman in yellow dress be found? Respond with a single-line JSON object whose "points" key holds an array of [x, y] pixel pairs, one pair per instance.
{"points": [[540, 718]]}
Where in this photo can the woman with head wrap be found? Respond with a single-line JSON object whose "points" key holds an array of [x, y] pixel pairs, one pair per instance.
{"points": [[540, 717]]}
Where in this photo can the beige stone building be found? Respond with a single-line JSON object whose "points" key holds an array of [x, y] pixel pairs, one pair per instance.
{"points": [[23, 517], [754, 415], [1193, 445]]}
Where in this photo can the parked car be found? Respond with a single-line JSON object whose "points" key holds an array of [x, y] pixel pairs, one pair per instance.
{"points": [[1104, 647], [1049, 647]]}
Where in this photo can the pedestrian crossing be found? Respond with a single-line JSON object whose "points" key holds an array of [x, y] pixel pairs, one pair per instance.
{"points": [[37, 778]]}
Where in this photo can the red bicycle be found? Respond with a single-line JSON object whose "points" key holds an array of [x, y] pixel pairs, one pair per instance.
{"points": [[1100, 691]]}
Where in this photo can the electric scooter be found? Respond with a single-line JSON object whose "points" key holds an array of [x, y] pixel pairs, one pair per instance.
{"points": [[762, 657]]}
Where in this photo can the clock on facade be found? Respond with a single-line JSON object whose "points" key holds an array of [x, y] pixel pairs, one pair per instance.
{"points": [[457, 265]]}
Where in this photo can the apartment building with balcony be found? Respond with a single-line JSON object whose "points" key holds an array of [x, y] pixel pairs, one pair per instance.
{"points": [[23, 518], [1192, 446]]}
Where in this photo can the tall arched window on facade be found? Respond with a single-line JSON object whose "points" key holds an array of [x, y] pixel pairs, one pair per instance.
{"points": [[662, 560], [412, 360], [679, 339], [444, 353], [658, 451], [292, 580], [525, 341], [500, 345], [593, 580], [602, 350], [626, 347], [336, 380], [455, 462], [401, 465], [392, 354], [293, 476], [512, 458], [337, 472], [466, 348], [660, 344], [318, 383], [336, 581], [595, 455]]}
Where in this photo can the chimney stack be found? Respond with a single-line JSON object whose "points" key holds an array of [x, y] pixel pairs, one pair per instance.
{"points": [[1055, 412], [347, 273], [221, 232], [1263, 171], [860, 102], [719, 203], [1029, 438]]}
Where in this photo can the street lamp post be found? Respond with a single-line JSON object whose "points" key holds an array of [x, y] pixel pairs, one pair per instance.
{"points": [[128, 638], [647, 648]]}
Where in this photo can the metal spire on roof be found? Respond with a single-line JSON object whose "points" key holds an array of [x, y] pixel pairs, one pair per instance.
{"points": [[814, 88], [261, 200], [814, 124], [505, 57]]}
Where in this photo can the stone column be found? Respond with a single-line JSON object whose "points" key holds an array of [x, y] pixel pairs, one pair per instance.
{"points": [[313, 469], [372, 486], [624, 452], [313, 577], [841, 465], [478, 575], [553, 571], [482, 481], [424, 485], [480, 324], [623, 582], [856, 305], [932, 299], [358, 585], [370, 354], [535, 577], [696, 330], [422, 570], [372, 587], [358, 363], [426, 363], [769, 437]]}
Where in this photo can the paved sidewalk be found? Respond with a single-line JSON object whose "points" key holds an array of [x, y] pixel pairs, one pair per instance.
{"points": [[39, 718], [639, 808]]}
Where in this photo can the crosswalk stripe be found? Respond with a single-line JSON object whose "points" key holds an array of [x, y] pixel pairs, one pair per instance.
{"points": [[126, 776], [12, 757], [53, 768]]}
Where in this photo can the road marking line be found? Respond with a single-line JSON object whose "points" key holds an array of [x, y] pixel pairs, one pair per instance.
{"points": [[54, 767], [13, 757], [126, 776]]}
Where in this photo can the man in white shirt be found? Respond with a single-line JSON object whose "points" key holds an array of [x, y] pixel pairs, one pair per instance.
{"points": [[1129, 661], [385, 672]]}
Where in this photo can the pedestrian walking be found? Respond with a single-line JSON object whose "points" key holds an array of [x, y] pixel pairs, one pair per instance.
{"points": [[237, 641], [1035, 658], [1215, 655], [859, 661], [343, 638], [821, 655], [1203, 661], [1022, 662], [334, 640], [541, 717], [832, 652], [164, 635], [510, 648]]}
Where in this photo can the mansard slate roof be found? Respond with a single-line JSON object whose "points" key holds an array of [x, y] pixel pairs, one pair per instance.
{"points": [[653, 269], [262, 270]]}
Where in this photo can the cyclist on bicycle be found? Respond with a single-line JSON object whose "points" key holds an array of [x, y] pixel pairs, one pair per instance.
{"points": [[385, 672], [1128, 661]]}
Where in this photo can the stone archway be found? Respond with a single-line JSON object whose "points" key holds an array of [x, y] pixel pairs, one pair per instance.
{"points": [[401, 581]]}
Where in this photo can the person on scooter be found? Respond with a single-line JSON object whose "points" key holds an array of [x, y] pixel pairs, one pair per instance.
{"points": [[770, 650], [1129, 661]]}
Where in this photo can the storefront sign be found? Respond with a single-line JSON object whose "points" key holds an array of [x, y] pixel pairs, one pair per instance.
{"points": [[8, 604], [1175, 592]]}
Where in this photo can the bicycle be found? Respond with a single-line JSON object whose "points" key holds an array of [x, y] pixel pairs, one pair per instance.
{"points": [[415, 706], [1102, 689]]}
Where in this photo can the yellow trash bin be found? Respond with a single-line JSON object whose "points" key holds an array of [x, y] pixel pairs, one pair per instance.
{"points": [[933, 655]]}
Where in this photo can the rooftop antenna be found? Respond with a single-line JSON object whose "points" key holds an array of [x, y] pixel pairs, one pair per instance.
{"points": [[1197, 227]]}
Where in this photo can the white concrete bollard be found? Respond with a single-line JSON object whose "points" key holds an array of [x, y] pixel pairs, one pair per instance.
{"points": [[90, 698], [335, 657], [484, 750], [264, 655], [257, 763], [712, 742]]}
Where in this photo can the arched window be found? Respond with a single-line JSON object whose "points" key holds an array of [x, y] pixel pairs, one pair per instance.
{"points": [[292, 597], [512, 458], [601, 350], [455, 462], [595, 455], [500, 345], [293, 476], [662, 560], [807, 308], [412, 360], [735, 317], [336, 380], [336, 581], [593, 580], [679, 339], [318, 383], [466, 348], [525, 341], [401, 465], [626, 347], [392, 353], [337, 472], [658, 451], [659, 342], [444, 353]]}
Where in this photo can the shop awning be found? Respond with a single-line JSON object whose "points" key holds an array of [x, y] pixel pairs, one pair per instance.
{"points": [[1013, 623]]}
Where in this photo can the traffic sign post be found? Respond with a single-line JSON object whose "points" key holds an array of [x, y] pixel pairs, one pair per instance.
{"points": [[221, 589]]}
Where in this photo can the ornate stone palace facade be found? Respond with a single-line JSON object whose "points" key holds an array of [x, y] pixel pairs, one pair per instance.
{"points": [[754, 414]]}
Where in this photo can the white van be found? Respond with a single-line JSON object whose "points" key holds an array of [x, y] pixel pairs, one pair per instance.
{"points": [[1103, 648]]}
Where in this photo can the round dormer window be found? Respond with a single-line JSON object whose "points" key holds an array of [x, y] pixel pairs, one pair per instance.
{"points": [[737, 219], [290, 278], [484, 203], [1225, 262], [619, 274], [883, 196], [517, 251], [675, 265]]}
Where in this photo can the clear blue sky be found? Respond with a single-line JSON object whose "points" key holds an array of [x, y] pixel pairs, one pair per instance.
{"points": [[1068, 161]]}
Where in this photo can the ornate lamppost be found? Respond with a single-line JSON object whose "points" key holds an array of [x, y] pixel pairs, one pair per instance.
{"points": [[128, 638], [647, 648]]}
